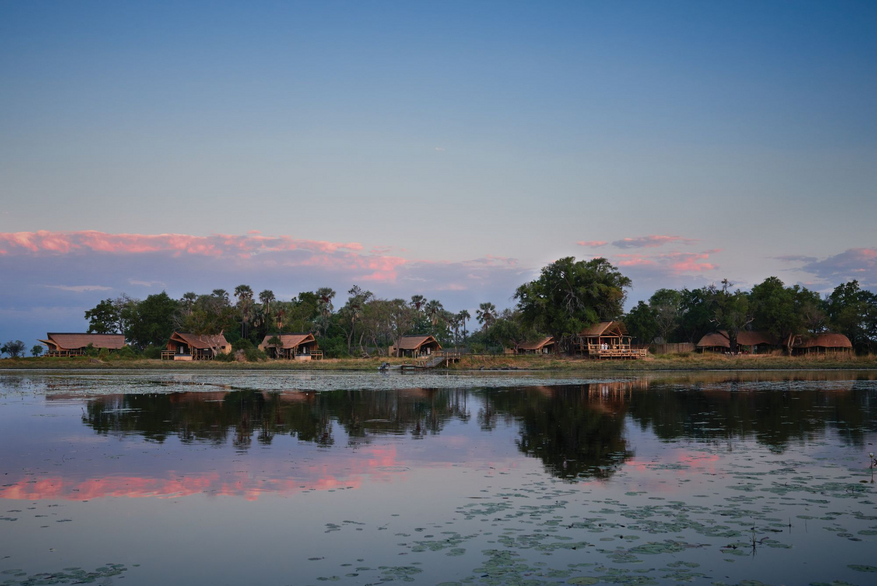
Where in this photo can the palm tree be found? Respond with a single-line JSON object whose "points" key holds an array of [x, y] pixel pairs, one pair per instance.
{"points": [[464, 316], [281, 313], [486, 315], [433, 311], [188, 301], [267, 298], [220, 294], [418, 301], [324, 301], [244, 295]]}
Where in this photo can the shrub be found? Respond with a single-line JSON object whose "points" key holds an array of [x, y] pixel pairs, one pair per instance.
{"points": [[152, 352], [127, 352], [242, 344], [254, 354]]}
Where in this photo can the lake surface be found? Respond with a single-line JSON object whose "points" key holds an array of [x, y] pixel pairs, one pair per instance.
{"points": [[308, 478]]}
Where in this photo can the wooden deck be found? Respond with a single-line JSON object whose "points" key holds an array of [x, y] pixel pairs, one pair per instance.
{"points": [[595, 351], [442, 358]]}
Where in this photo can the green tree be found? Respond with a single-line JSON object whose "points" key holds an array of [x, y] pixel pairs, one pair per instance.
{"points": [[666, 306], [695, 320], [641, 323], [324, 305], [107, 317], [37, 350], [351, 314], [571, 295], [731, 311], [783, 312], [244, 296], [14, 348], [417, 302], [464, 316], [486, 315], [853, 311], [434, 311], [151, 321]]}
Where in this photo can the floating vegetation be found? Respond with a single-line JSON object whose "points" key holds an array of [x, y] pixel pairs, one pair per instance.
{"points": [[72, 575], [862, 568]]}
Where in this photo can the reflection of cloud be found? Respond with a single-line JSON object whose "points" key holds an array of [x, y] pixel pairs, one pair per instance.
{"points": [[376, 464], [651, 241], [79, 288]]}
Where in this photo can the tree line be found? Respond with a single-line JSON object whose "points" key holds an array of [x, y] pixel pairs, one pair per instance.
{"points": [[567, 297], [783, 312]]}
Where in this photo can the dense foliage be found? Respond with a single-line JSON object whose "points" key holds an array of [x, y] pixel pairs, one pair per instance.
{"points": [[568, 296], [785, 313]]}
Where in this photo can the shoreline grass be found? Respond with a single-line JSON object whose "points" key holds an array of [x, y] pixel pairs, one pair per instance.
{"points": [[691, 362]]}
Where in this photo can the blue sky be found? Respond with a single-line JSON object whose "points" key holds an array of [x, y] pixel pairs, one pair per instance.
{"points": [[451, 148]]}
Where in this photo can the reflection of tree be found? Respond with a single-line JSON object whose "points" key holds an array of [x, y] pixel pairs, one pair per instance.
{"points": [[775, 414], [309, 417], [575, 430]]}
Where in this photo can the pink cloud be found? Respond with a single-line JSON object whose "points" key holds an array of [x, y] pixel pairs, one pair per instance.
{"points": [[592, 243], [46, 242], [652, 241], [671, 264], [853, 263], [690, 262]]}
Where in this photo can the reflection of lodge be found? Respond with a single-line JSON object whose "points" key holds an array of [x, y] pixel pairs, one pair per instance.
{"points": [[291, 347], [195, 347], [543, 346], [61, 345], [608, 339]]}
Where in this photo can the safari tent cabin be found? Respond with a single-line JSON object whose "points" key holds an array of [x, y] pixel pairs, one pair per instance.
{"points": [[76, 344], [543, 346], [822, 344], [607, 339], [291, 347], [747, 342], [415, 346], [195, 346]]}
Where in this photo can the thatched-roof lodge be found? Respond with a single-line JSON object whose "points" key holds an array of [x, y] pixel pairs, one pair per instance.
{"points": [[822, 344], [76, 344], [183, 346], [607, 339], [291, 346], [415, 346], [748, 342], [543, 346]]}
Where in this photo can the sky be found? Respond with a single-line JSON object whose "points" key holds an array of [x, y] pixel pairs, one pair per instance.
{"points": [[447, 149]]}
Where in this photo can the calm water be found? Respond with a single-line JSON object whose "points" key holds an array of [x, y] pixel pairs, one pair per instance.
{"points": [[151, 478]]}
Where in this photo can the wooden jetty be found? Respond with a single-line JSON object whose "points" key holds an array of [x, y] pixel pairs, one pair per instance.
{"points": [[436, 359]]}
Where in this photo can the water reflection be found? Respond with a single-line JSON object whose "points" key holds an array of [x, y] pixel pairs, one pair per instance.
{"points": [[774, 413], [578, 431]]}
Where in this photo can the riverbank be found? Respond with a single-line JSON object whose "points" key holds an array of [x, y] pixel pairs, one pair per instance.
{"points": [[526, 363]]}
